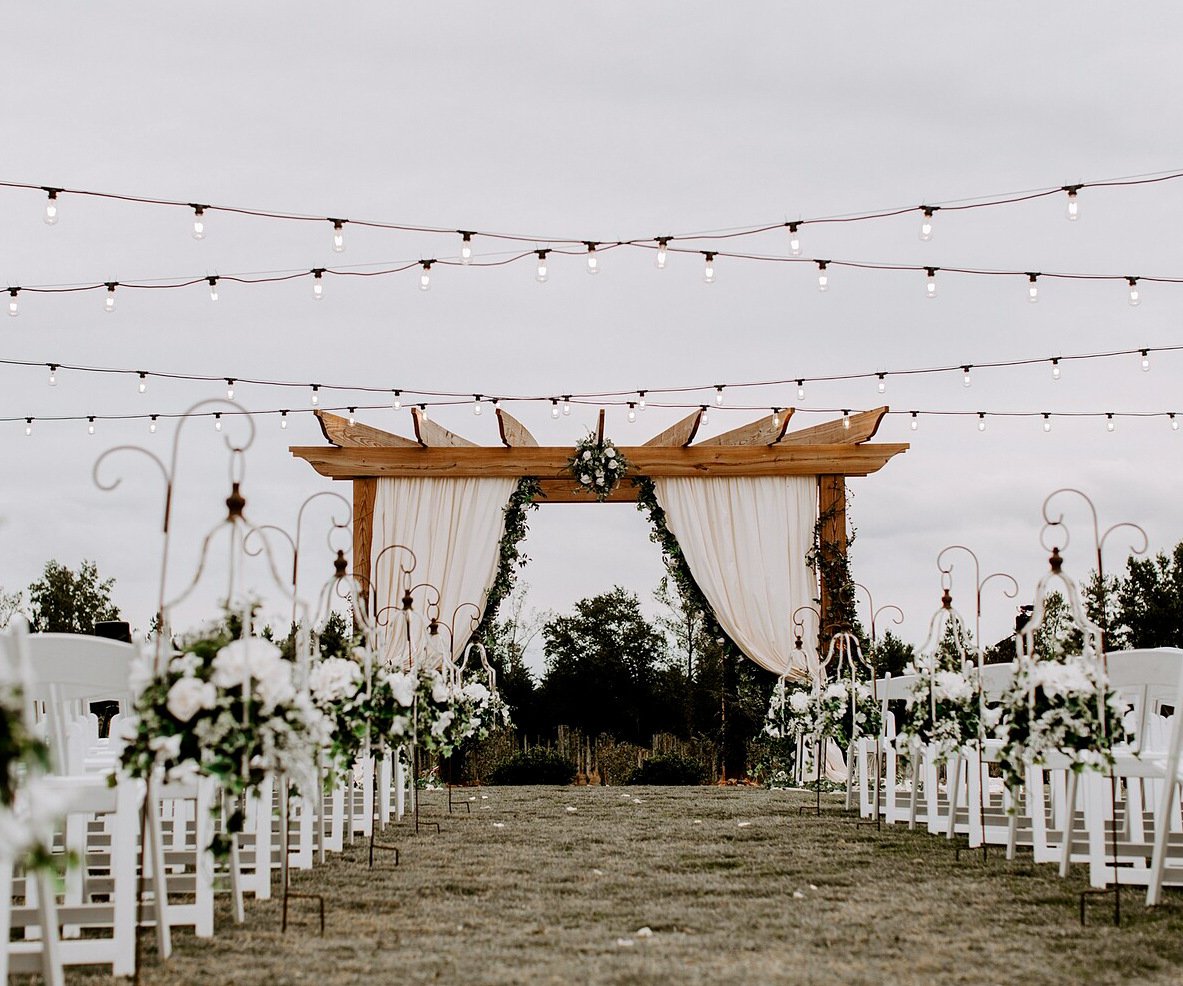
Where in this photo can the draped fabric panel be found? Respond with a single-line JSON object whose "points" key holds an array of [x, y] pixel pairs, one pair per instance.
{"points": [[454, 527], [745, 540]]}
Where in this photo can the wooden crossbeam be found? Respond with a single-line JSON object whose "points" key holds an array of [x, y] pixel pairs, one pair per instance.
{"points": [[514, 434], [678, 435], [766, 431], [431, 435], [340, 432], [862, 429]]}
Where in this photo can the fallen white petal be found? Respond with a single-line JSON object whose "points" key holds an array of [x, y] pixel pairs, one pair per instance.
{"points": [[743, 825], [636, 801], [813, 886], [499, 825], [645, 932], [625, 942], [572, 810], [484, 797], [698, 821], [797, 895], [598, 872], [484, 807]]}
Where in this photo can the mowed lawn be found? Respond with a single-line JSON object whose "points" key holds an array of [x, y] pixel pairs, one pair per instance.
{"points": [[733, 883]]}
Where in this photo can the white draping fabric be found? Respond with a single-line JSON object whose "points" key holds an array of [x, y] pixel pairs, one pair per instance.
{"points": [[454, 527], [745, 540]]}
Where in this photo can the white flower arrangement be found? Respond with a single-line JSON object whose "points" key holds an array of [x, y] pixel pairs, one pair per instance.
{"points": [[943, 709], [799, 709], [597, 466], [450, 712]]}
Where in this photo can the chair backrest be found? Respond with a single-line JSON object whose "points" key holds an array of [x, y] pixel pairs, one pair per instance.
{"points": [[995, 679], [1147, 679]]}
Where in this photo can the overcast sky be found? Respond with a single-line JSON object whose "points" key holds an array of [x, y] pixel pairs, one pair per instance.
{"points": [[595, 121]]}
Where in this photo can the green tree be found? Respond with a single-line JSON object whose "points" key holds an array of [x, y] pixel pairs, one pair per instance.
{"points": [[63, 601], [1149, 602], [10, 605]]}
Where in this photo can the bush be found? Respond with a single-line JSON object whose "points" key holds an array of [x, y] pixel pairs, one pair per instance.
{"points": [[534, 767], [669, 769]]}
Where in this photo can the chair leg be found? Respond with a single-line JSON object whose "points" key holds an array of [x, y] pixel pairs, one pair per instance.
{"points": [[51, 955], [155, 836], [1069, 824]]}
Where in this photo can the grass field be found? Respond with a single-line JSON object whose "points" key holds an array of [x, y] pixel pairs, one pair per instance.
{"points": [[734, 884]]}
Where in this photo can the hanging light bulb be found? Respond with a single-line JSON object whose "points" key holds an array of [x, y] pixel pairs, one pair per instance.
{"points": [[51, 206], [1145, 360], [1047, 421], [53, 374], [541, 274], [930, 287], [719, 394], [926, 222], [632, 412], [110, 305], [90, 425], [593, 262], [229, 388], [794, 240], [496, 403], [915, 423], [1174, 421], [397, 403], [318, 284], [217, 421], [315, 394], [800, 390], [476, 404], [823, 279], [1032, 288], [283, 420], [1135, 294], [981, 421], [425, 275], [143, 383], [152, 424], [1056, 368], [708, 271], [705, 418], [28, 427], [213, 288], [846, 419], [1110, 424], [567, 405], [882, 383], [554, 407], [465, 247], [966, 380], [338, 235], [14, 308], [662, 251], [423, 410], [352, 416], [198, 222], [776, 417], [1073, 204]]}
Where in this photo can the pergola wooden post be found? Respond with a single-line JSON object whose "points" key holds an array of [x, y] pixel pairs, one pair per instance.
{"points": [[830, 451]]}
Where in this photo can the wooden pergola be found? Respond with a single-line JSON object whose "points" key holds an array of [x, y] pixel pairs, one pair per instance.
{"points": [[831, 451]]}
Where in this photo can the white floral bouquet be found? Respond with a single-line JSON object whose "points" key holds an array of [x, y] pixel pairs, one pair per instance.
{"points": [[943, 709], [790, 710], [1062, 704], [799, 710], [30, 808], [450, 712], [597, 466]]}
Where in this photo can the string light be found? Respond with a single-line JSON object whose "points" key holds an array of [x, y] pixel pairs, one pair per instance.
{"points": [[1047, 422], [1110, 424], [110, 306], [476, 404], [966, 380], [1073, 204], [705, 416], [719, 394], [198, 222], [90, 424], [800, 390], [143, 383], [632, 412], [229, 388], [217, 421], [14, 308], [794, 240], [352, 416], [846, 419], [930, 286], [641, 399], [51, 206], [318, 284], [1135, 295], [554, 407], [1145, 361], [1056, 368], [776, 417], [423, 410], [152, 424], [53, 374], [883, 383], [823, 279], [981, 421], [1174, 421], [283, 420], [465, 247], [338, 235], [915, 422], [708, 271], [315, 394], [567, 405], [662, 251], [926, 222], [425, 275], [1032, 288], [540, 275], [398, 400], [213, 288], [593, 263], [28, 427]]}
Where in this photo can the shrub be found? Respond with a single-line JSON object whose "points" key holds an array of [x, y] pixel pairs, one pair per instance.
{"points": [[669, 769], [536, 766]]}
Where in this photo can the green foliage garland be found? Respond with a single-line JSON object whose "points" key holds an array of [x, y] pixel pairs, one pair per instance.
{"points": [[510, 558]]}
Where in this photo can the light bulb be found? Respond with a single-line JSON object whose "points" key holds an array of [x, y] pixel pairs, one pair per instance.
{"points": [[706, 415], [541, 274], [90, 425], [883, 383], [338, 236], [1174, 421], [318, 284], [476, 404], [110, 305], [794, 240], [708, 271], [229, 388], [14, 308], [283, 419], [776, 417], [632, 412], [554, 407], [425, 276], [800, 390], [641, 399], [315, 394], [152, 424], [1145, 360], [352, 416], [1047, 422], [567, 405], [930, 286], [915, 420], [1135, 294], [198, 222], [1055, 369], [1032, 288], [593, 262], [53, 374], [217, 421], [213, 288], [981, 421], [1110, 424], [28, 427], [846, 419], [926, 223], [423, 410], [719, 394], [823, 279], [966, 380], [466, 248], [398, 400], [143, 382], [51, 207], [1073, 204], [662, 252]]}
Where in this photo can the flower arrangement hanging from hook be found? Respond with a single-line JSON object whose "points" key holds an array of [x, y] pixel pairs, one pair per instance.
{"points": [[597, 466]]}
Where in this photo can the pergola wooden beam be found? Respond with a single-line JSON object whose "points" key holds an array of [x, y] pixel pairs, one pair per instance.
{"points": [[339, 431], [431, 435], [766, 431], [680, 434], [862, 427], [514, 434]]}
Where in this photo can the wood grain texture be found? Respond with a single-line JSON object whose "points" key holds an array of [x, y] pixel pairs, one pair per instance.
{"points": [[766, 431], [678, 435], [365, 495], [862, 429], [831, 500], [567, 491], [514, 434], [340, 432], [431, 435]]}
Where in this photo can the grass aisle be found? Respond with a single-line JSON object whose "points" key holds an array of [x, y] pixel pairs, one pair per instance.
{"points": [[735, 886]]}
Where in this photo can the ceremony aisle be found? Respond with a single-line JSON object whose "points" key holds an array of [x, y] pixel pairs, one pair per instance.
{"points": [[555, 885]]}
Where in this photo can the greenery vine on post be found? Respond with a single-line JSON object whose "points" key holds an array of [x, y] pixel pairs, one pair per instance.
{"points": [[510, 558], [832, 565]]}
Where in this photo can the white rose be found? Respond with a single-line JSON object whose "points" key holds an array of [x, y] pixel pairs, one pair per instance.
{"points": [[586, 455], [610, 452], [584, 478], [477, 692], [835, 690], [402, 686], [166, 747], [613, 464], [440, 692], [798, 702], [334, 678], [274, 686], [189, 695], [184, 664], [440, 726]]}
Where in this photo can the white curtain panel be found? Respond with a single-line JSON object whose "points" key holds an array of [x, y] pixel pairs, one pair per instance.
{"points": [[454, 527], [745, 541]]}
